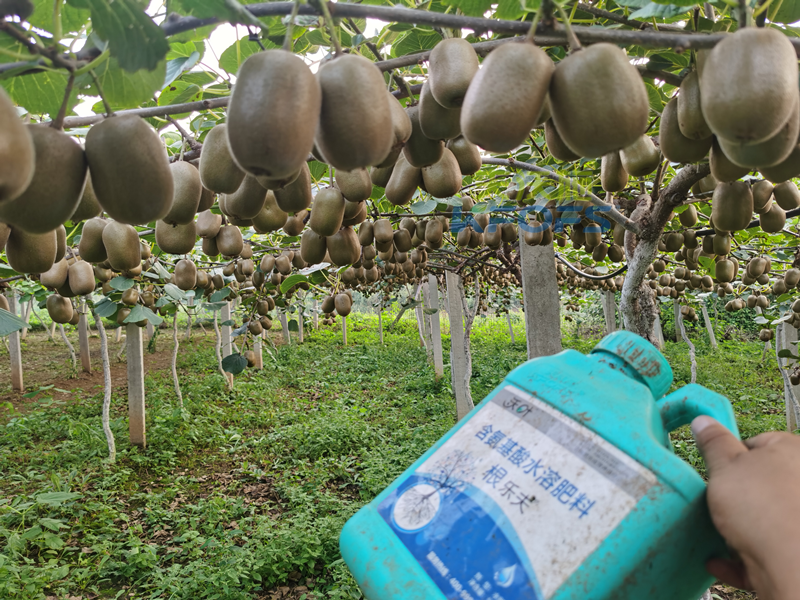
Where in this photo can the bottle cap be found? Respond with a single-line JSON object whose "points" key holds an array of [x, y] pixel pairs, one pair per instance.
{"points": [[642, 357]]}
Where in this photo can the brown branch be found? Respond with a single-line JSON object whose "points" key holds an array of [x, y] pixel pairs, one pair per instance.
{"points": [[670, 197], [58, 123], [193, 143], [623, 20], [24, 38]]}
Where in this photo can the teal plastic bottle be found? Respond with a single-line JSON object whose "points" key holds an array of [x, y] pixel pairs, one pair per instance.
{"points": [[561, 484]]}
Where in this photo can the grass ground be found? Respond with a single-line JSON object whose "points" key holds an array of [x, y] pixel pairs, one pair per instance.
{"points": [[242, 494]]}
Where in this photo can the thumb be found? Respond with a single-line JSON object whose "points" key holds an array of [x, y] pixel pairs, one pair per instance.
{"points": [[717, 445]]}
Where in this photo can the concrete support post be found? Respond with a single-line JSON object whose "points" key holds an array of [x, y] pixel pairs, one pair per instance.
{"points": [[83, 339], [541, 300], [435, 325], [287, 339], [227, 345], [609, 311], [458, 359], [709, 327], [15, 348], [258, 352], [789, 335], [136, 410], [344, 330]]}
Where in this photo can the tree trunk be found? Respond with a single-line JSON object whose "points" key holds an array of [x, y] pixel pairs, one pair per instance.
{"points": [[638, 303]]}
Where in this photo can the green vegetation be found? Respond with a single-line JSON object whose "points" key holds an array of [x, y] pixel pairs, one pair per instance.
{"points": [[245, 492]]}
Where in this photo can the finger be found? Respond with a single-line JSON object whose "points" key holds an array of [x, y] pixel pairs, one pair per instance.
{"points": [[717, 445], [731, 572], [766, 439]]}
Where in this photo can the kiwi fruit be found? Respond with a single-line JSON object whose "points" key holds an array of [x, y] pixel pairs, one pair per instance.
{"points": [[598, 101], [436, 121], [366, 234], [56, 187], [30, 252], [773, 220], [401, 126], [17, 153], [383, 232], [343, 304], [187, 190], [208, 224], [313, 247], [722, 168], [273, 114], [277, 184], [352, 209], [122, 246], [130, 170], [185, 276], [555, 144], [688, 217], [402, 240], [434, 232], [506, 97], [218, 171], [451, 68], [492, 237], [343, 247], [246, 202], [640, 158], [380, 175], [403, 182], [176, 239], [467, 154], [359, 216], [56, 276], [721, 243], [762, 194], [787, 195], [355, 185], [297, 195], [271, 217], [675, 146], [613, 176], [229, 240], [748, 90], [207, 199], [768, 153], [294, 224], [59, 308], [786, 170], [355, 128], [443, 178], [88, 206], [327, 212], [420, 151], [724, 271], [691, 121], [81, 278], [91, 248]]}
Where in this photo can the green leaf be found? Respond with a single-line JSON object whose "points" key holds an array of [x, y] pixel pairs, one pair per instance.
{"points": [[72, 19], [121, 283], [416, 40], [292, 281], [786, 353], [137, 314], [52, 541], [318, 170], [220, 295], [228, 323], [293, 326], [106, 308], [472, 8], [153, 317], [423, 207], [133, 37], [510, 10], [661, 10], [234, 55], [9, 323], [179, 92], [52, 524], [761, 320], [430, 311], [174, 292], [654, 97], [234, 363], [56, 498], [787, 11], [176, 66], [128, 90], [39, 93]]}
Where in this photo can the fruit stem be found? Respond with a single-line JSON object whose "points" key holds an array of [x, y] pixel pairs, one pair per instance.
{"points": [[58, 122], [326, 14], [287, 40], [535, 23], [99, 87], [572, 39]]}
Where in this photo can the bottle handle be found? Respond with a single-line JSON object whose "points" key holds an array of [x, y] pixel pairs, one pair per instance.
{"points": [[683, 405]]}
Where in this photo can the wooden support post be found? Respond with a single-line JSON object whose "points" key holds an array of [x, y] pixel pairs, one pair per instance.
{"points": [[25, 314], [380, 322], [287, 337], [426, 320], [709, 327], [300, 325], [609, 311], [786, 338], [188, 334], [676, 310], [52, 329], [458, 359], [541, 300], [83, 339], [136, 411], [15, 348], [225, 330], [316, 314], [435, 325], [151, 331], [344, 330], [258, 352], [118, 334], [658, 331], [418, 312]]}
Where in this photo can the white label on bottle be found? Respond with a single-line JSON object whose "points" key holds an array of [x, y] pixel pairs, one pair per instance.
{"points": [[561, 488]]}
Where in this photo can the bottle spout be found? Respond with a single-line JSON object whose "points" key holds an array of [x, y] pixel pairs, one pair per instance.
{"points": [[637, 358]]}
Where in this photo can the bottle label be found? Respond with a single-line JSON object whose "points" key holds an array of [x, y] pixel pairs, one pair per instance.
{"points": [[513, 503]]}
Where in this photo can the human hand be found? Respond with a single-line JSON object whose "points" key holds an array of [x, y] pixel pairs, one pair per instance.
{"points": [[753, 493]]}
